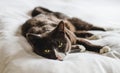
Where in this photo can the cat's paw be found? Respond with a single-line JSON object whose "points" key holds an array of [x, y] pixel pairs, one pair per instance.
{"points": [[81, 47], [105, 49], [94, 37]]}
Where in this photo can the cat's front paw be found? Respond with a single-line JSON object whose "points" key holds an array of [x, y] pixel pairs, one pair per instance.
{"points": [[105, 49], [81, 47]]}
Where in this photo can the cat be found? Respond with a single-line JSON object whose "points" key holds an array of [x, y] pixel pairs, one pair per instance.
{"points": [[53, 34]]}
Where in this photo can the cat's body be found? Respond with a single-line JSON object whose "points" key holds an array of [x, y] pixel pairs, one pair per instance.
{"points": [[52, 33]]}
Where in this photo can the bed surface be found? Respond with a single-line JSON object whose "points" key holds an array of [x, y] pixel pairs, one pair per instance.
{"points": [[16, 54]]}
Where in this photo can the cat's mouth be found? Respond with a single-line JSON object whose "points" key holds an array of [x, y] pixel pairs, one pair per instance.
{"points": [[59, 56], [60, 59]]}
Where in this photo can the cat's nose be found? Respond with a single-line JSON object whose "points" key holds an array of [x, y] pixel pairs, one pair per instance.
{"points": [[59, 58]]}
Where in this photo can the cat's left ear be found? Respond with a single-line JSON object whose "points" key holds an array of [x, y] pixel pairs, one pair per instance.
{"points": [[32, 38], [61, 26]]}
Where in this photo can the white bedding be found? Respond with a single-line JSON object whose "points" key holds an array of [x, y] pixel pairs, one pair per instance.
{"points": [[16, 54]]}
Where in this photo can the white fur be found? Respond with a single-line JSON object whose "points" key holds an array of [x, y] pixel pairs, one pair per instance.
{"points": [[82, 48], [105, 49]]}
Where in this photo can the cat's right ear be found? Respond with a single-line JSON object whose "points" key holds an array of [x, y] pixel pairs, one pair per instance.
{"points": [[61, 26], [59, 30], [32, 37]]}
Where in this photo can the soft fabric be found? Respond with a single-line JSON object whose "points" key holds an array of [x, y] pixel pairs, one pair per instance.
{"points": [[16, 54]]}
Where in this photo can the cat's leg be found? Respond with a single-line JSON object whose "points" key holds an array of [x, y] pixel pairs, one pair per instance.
{"points": [[82, 25], [87, 35], [77, 48], [83, 34], [91, 47], [39, 10]]}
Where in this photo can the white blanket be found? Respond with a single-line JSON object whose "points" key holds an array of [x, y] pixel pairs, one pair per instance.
{"points": [[16, 54]]}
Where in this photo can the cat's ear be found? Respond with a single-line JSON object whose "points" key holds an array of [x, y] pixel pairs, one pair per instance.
{"points": [[61, 26], [32, 37], [59, 30]]}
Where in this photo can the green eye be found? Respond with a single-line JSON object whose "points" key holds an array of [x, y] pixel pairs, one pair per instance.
{"points": [[60, 45], [46, 51]]}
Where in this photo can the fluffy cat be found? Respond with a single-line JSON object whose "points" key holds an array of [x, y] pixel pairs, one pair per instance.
{"points": [[53, 34]]}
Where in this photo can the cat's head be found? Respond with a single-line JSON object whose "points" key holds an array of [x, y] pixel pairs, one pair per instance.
{"points": [[52, 45]]}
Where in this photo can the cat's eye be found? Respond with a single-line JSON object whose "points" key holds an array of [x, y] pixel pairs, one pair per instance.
{"points": [[46, 51], [60, 45]]}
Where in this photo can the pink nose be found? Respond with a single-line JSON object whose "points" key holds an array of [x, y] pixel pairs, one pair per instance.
{"points": [[59, 58]]}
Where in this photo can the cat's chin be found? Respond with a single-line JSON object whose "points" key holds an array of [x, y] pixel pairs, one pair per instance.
{"points": [[60, 59]]}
